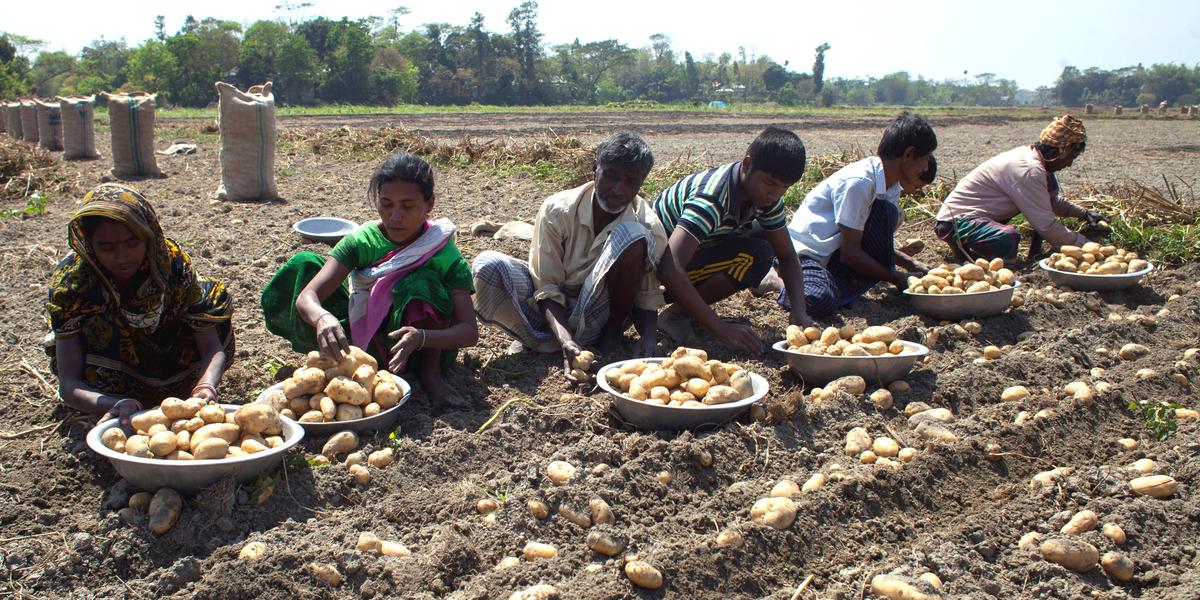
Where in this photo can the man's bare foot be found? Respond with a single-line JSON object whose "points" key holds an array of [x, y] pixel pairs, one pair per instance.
{"points": [[439, 391], [676, 324], [912, 246], [771, 284]]}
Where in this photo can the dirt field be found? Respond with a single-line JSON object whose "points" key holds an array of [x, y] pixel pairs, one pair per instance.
{"points": [[951, 511]]}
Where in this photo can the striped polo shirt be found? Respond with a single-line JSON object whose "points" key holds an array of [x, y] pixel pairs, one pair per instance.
{"points": [[707, 205]]}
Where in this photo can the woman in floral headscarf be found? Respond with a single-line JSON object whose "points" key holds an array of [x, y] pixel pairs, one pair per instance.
{"points": [[974, 218], [132, 322]]}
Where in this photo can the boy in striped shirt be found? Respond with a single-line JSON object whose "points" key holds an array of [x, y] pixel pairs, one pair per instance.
{"points": [[709, 217]]}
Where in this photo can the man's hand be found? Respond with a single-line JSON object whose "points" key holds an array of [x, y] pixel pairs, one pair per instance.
{"points": [[410, 341], [1094, 218], [799, 316], [741, 337], [123, 410], [570, 350]]}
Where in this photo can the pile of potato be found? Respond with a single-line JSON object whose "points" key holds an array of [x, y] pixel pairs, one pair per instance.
{"points": [[1094, 259], [981, 276], [325, 391], [192, 430], [687, 378], [873, 341]]}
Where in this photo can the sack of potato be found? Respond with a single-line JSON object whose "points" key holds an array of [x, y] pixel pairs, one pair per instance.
{"points": [[972, 278], [324, 391], [1094, 259], [192, 430], [687, 378], [873, 341]]}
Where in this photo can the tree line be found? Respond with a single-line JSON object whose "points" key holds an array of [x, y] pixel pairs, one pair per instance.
{"points": [[376, 61]]}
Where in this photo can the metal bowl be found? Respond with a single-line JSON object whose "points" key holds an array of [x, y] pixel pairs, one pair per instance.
{"points": [[324, 229], [817, 369], [191, 476], [1093, 283], [383, 420], [659, 417], [953, 307]]}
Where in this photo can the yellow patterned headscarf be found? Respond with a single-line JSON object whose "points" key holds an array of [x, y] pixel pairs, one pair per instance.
{"points": [[1064, 132]]}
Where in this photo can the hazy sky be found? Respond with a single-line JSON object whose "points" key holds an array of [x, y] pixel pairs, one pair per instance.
{"points": [[1029, 41]]}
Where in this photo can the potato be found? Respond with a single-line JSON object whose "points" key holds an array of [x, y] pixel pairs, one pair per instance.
{"points": [[682, 351], [583, 361], [774, 512], [140, 501], [1155, 486], [150, 418], [541, 591], [1075, 555], [857, 440], [314, 360], [695, 388], [164, 510], [211, 413], [157, 428], [258, 418], [1083, 521], [344, 389], [348, 412], [327, 573], [1117, 565], [176, 409], [253, 551], [741, 382], [638, 390], [560, 472], [680, 398], [1133, 351], [328, 408], [364, 375], [538, 509], [253, 444], [660, 393], [274, 441], [371, 410], [368, 542], [885, 447], [1114, 533], [900, 587], [690, 367], [575, 516], [381, 458], [138, 445], [855, 350], [304, 382], [634, 367], [795, 336], [784, 489], [361, 474], [721, 394], [882, 399], [342, 442], [1144, 465], [113, 439], [211, 448], [605, 543], [879, 333], [1016, 393], [312, 416], [536, 550], [643, 575], [851, 384], [180, 455], [387, 394], [163, 443], [229, 433]]}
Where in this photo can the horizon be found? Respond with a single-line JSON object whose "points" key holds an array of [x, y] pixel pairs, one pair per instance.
{"points": [[1169, 33]]}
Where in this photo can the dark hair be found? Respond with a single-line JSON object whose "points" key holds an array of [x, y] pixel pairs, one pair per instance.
{"points": [[908, 130], [1051, 152], [89, 223], [406, 167], [778, 153], [930, 172], [625, 150]]}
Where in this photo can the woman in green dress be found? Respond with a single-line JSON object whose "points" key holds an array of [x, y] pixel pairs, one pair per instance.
{"points": [[132, 323], [409, 293]]}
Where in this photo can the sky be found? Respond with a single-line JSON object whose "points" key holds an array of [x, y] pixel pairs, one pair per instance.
{"points": [[1028, 41]]}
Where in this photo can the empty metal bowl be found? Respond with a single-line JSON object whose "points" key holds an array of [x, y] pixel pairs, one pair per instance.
{"points": [[659, 417], [817, 369], [953, 307], [324, 229], [1093, 283], [382, 421], [191, 476]]}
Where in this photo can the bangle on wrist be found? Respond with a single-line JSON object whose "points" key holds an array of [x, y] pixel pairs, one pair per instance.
{"points": [[205, 386], [422, 339]]}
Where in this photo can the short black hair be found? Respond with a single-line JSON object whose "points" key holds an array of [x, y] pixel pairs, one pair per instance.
{"points": [[907, 130], [625, 150], [778, 153], [402, 166], [1051, 152], [930, 172]]}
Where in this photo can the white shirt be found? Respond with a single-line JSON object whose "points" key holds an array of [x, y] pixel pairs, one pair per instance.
{"points": [[842, 200]]}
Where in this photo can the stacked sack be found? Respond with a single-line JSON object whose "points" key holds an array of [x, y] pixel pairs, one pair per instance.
{"points": [[131, 119], [248, 136], [78, 127]]}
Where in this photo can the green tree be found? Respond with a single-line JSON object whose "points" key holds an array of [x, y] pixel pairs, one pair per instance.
{"points": [[270, 52], [152, 68], [205, 52], [818, 74], [526, 41], [14, 68], [49, 70], [349, 59]]}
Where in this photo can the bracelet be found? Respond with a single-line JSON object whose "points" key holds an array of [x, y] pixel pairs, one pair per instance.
{"points": [[422, 339], [205, 386], [323, 315]]}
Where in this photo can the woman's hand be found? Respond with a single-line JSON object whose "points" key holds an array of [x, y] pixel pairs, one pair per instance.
{"points": [[410, 340], [122, 411], [331, 339]]}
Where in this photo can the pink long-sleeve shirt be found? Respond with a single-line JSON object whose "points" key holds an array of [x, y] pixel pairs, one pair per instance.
{"points": [[1011, 183]]}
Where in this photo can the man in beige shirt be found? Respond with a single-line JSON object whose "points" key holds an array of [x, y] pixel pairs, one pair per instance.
{"points": [[973, 219]]}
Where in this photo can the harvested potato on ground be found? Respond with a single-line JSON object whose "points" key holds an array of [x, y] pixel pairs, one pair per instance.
{"points": [[253, 551], [605, 543], [774, 512], [327, 573], [538, 509], [1083, 521], [536, 550], [381, 458], [361, 474], [560, 472], [1117, 565], [1155, 486], [643, 574], [164, 510], [1075, 555], [342, 442], [900, 587]]}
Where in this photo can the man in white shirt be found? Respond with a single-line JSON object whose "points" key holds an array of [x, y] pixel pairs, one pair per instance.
{"points": [[844, 230]]}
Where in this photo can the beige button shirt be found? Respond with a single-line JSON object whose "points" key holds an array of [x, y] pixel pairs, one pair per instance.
{"points": [[564, 247]]}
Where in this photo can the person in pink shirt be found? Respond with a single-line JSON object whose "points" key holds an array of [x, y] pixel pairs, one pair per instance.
{"points": [[974, 218]]}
